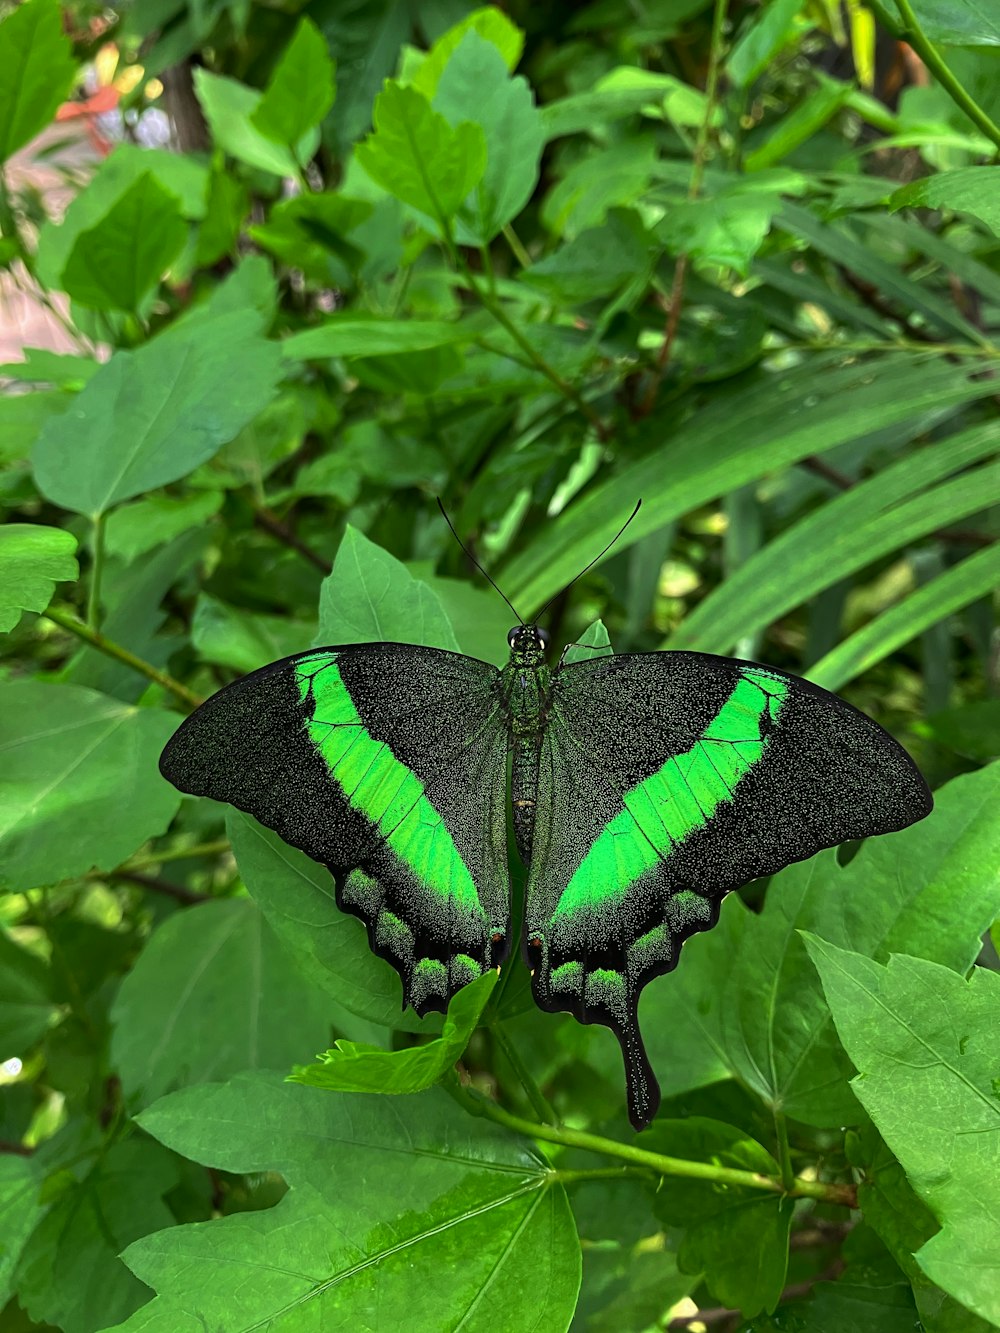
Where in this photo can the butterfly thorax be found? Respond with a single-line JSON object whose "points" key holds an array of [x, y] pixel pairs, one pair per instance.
{"points": [[525, 685]]}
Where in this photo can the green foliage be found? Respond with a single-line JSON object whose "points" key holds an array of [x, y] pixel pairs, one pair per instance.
{"points": [[540, 263]]}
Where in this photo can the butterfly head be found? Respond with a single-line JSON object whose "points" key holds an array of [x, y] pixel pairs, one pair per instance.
{"points": [[528, 645]]}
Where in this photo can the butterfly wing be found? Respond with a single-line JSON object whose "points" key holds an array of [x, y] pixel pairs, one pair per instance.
{"points": [[386, 763], [666, 780]]}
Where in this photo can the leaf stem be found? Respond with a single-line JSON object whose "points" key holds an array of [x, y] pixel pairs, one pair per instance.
{"points": [[828, 1192], [928, 53], [108, 646], [145, 860], [784, 1152], [516, 245], [535, 1096], [96, 572]]}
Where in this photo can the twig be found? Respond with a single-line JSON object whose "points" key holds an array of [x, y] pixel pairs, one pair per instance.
{"points": [[270, 523], [698, 164], [175, 891], [535, 1096], [108, 646]]}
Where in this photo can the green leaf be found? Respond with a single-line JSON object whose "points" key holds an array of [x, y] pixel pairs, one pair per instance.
{"points": [[798, 126], [354, 335], [970, 729], [356, 1067], [33, 559], [959, 22], [212, 993], [882, 514], [138, 528], [19, 1214], [183, 177], [628, 91], [736, 1237], [245, 640], [330, 947], [974, 190], [768, 33], [371, 597], [82, 788], [783, 417], [599, 262], [726, 229], [922, 1040], [966, 582], [149, 417], [489, 24], [70, 1273], [476, 86], [22, 418], [416, 155], [229, 108], [300, 91], [117, 263], [38, 58], [405, 1205], [593, 642], [40, 366], [891, 897], [27, 1007]]}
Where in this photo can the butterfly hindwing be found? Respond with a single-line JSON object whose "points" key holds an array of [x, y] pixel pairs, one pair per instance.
{"points": [[666, 780], [386, 763]]}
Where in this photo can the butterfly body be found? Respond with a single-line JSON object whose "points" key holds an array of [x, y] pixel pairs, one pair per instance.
{"points": [[643, 787]]}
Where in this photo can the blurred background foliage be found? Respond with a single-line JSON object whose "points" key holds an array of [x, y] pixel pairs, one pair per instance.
{"points": [[275, 276]]}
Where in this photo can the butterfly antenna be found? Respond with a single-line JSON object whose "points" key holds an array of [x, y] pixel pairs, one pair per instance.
{"points": [[475, 561], [599, 556]]}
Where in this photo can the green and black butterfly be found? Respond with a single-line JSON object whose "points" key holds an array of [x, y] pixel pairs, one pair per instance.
{"points": [[644, 786]]}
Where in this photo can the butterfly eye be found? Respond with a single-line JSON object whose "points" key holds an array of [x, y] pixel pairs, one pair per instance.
{"points": [[542, 635], [512, 636]]}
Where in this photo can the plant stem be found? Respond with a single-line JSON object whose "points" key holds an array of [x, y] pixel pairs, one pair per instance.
{"points": [[828, 1192], [96, 573], [535, 1096], [517, 248], [148, 859], [698, 164], [495, 308], [108, 646], [601, 1173], [928, 53], [784, 1153]]}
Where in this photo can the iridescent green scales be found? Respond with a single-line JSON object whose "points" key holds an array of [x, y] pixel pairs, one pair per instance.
{"points": [[680, 797]]}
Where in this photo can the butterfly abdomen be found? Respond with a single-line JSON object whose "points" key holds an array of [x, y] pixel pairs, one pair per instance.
{"points": [[525, 688]]}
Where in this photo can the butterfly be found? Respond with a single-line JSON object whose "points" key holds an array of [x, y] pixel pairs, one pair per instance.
{"points": [[643, 787]]}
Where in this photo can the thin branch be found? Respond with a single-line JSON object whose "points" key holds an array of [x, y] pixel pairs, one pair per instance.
{"points": [[535, 1096], [176, 891], [146, 859], [108, 646], [844, 1195], [928, 53], [269, 522], [698, 164]]}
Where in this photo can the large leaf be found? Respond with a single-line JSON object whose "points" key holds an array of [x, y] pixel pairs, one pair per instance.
{"points": [[300, 91], [19, 1213], [33, 559], [27, 1003], [973, 190], [781, 417], [416, 155], [212, 993], [923, 1041], [330, 947], [489, 24], [852, 530], [403, 1212], [39, 65], [476, 86], [149, 417], [959, 22], [356, 335], [245, 640], [81, 787], [370, 596], [116, 263], [229, 108], [357, 1067]]}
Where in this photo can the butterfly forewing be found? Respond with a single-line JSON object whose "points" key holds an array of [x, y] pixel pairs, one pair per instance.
{"points": [[387, 763], [666, 780]]}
